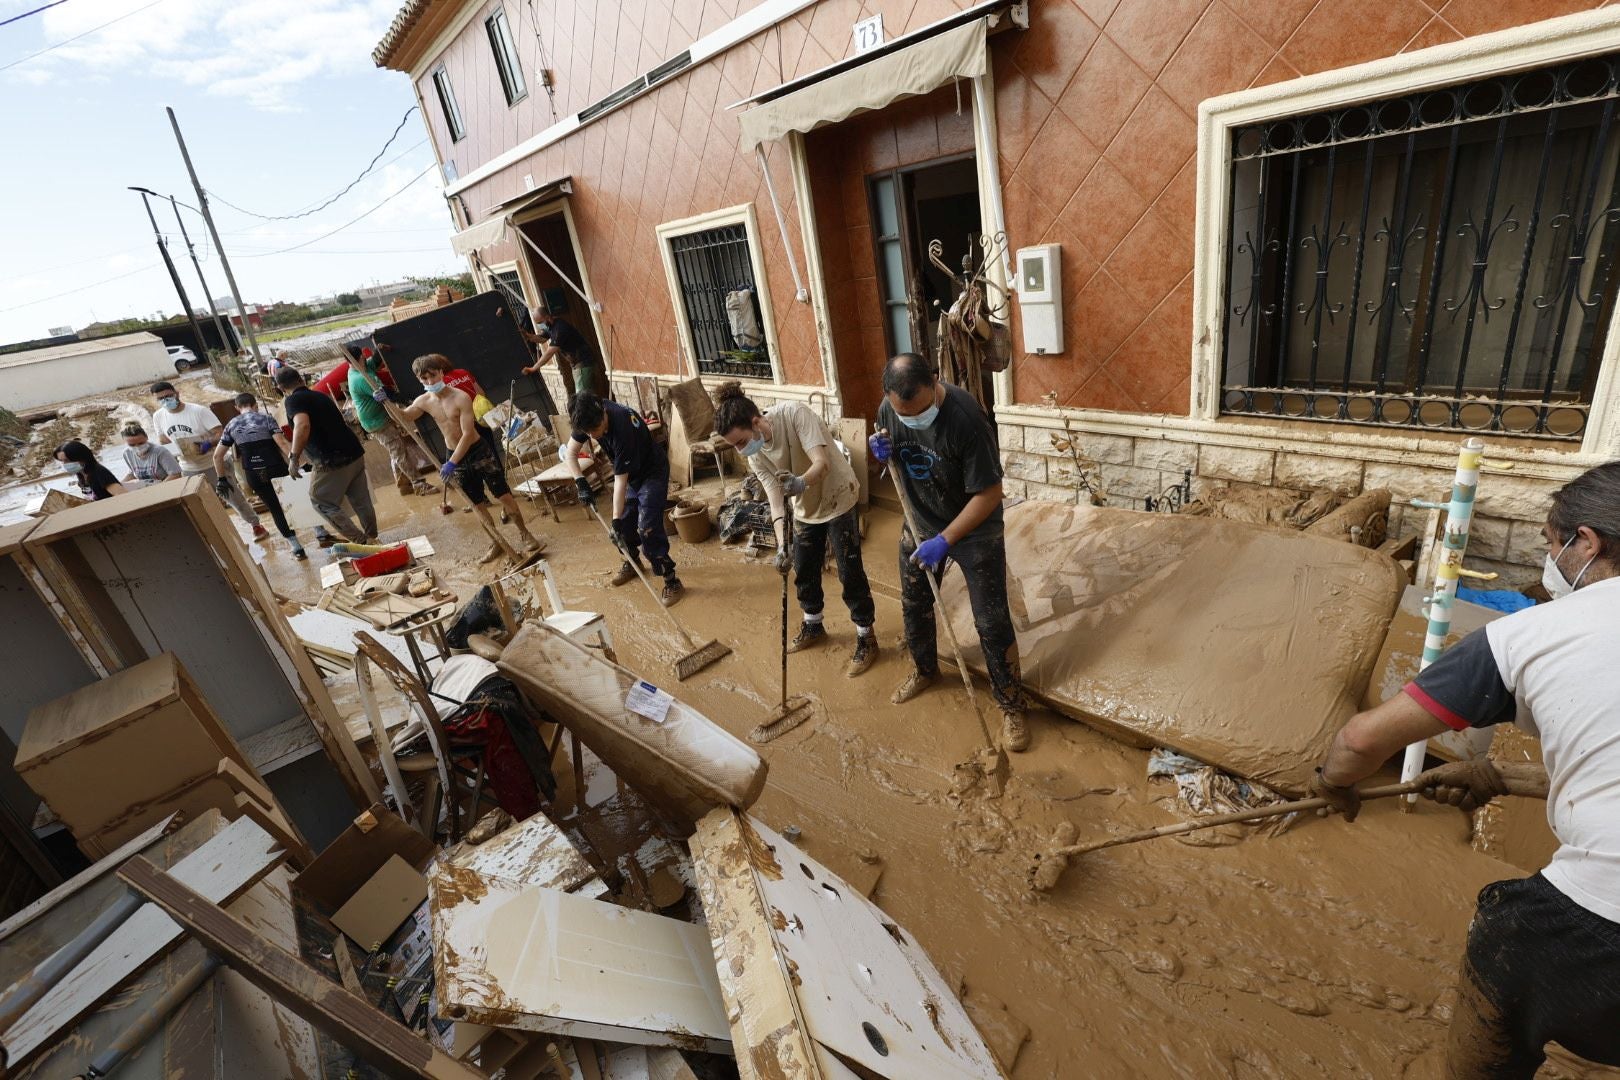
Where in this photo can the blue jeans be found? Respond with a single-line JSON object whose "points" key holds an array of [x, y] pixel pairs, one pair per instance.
{"points": [[641, 527]]}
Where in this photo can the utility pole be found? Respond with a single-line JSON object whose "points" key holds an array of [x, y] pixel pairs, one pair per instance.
{"points": [[224, 338], [208, 219], [174, 276]]}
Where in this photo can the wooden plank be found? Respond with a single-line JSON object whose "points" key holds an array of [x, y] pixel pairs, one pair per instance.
{"points": [[345, 964], [88, 877], [271, 821], [385, 1044], [852, 433], [227, 865]]}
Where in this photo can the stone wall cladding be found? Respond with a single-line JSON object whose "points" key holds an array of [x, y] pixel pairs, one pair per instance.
{"points": [[1509, 510]]}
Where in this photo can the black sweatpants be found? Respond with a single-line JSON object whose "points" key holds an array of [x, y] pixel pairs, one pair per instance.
{"points": [[983, 562], [1540, 968], [810, 552], [259, 481]]}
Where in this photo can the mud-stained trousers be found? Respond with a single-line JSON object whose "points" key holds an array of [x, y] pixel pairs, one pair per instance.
{"points": [[983, 562], [641, 528], [1539, 968], [810, 552]]}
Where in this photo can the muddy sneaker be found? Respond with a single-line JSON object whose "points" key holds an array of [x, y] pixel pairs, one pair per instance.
{"points": [[326, 540], [864, 656], [299, 553], [673, 591], [915, 684], [491, 553], [625, 574], [260, 532], [534, 544], [1014, 732], [810, 633]]}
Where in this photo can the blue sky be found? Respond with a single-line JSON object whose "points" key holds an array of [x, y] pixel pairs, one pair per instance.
{"points": [[281, 107]]}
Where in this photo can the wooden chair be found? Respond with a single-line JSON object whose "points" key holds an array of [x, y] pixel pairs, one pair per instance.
{"points": [[692, 441], [453, 773]]}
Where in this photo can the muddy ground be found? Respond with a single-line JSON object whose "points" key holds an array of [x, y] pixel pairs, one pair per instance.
{"points": [[1328, 951]]}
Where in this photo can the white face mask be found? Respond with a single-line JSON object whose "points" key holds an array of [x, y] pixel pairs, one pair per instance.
{"points": [[1552, 578]]}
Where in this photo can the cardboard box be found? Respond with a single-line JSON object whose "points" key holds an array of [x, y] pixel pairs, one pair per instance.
{"points": [[374, 912]]}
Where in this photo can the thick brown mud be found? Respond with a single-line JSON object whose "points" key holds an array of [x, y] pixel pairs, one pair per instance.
{"points": [[1330, 950]]}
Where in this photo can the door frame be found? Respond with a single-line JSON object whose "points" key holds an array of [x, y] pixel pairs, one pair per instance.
{"points": [[551, 208]]}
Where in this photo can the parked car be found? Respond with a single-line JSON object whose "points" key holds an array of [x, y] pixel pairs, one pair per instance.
{"points": [[184, 359]]}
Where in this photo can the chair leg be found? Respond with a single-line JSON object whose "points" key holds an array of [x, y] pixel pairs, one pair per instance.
{"points": [[429, 821]]}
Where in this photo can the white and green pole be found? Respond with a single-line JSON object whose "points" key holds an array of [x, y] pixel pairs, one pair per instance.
{"points": [[1448, 569]]}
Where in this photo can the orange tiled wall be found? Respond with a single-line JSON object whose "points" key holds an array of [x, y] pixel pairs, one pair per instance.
{"points": [[1096, 107]]}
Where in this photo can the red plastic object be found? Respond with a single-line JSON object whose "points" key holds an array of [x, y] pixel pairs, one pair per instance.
{"points": [[383, 562]]}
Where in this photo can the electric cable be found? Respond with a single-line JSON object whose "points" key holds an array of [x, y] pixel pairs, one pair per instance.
{"points": [[36, 11], [76, 37], [347, 188], [79, 288], [351, 221]]}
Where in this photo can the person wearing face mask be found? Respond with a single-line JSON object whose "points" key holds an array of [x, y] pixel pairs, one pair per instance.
{"points": [[942, 449], [640, 486], [1542, 962], [95, 480], [473, 461], [340, 461], [147, 462], [791, 451], [196, 430]]}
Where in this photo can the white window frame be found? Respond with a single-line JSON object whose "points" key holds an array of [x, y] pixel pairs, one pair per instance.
{"points": [[1534, 45], [449, 106], [745, 216], [508, 64]]}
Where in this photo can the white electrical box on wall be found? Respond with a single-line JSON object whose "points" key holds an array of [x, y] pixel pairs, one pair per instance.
{"points": [[1040, 298]]}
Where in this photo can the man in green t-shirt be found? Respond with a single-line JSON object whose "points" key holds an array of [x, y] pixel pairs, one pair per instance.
{"points": [[403, 454]]}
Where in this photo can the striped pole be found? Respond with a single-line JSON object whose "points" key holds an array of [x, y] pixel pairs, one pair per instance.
{"points": [[1459, 515]]}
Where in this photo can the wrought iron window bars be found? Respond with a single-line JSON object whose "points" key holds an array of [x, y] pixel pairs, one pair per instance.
{"points": [[710, 265]]}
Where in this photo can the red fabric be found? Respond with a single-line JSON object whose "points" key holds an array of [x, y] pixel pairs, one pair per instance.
{"points": [[1435, 709], [509, 775], [462, 380], [335, 383]]}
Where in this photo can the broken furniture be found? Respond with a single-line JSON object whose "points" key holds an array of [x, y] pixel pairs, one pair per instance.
{"points": [[682, 763], [692, 441], [161, 570], [555, 484], [1242, 646], [224, 1029], [111, 758], [818, 981]]}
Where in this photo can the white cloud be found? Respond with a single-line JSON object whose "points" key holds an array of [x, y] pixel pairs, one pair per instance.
{"points": [[260, 52]]}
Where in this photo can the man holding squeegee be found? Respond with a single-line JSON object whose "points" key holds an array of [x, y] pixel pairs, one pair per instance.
{"points": [[1543, 956], [640, 485], [943, 450]]}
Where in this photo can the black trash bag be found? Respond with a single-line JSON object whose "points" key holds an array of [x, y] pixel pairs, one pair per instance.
{"points": [[480, 616]]}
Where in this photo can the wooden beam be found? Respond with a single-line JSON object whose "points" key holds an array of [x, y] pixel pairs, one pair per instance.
{"points": [[381, 1041], [228, 864], [89, 876]]}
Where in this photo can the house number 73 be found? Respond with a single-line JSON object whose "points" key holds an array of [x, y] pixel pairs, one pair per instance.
{"points": [[869, 33]]}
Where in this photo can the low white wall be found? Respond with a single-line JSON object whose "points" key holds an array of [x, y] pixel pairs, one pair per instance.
{"points": [[28, 386]]}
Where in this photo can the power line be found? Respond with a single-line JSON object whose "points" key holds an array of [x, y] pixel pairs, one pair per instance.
{"points": [[36, 11], [78, 288], [76, 37], [347, 188], [346, 224]]}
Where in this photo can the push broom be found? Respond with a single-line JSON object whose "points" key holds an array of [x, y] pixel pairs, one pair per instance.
{"points": [[697, 657]]}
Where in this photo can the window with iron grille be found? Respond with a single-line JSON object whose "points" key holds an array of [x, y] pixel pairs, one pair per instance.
{"points": [[506, 57], [715, 273], [447, 103], [1441, 260]]}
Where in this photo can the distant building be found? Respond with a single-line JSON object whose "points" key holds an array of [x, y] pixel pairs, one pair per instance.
{"points": [[64, 372], [381, 295]]}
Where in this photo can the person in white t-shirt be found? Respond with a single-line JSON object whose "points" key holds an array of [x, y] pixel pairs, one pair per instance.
{"points": [[196, 430], [1543, 956], [790, 449]]}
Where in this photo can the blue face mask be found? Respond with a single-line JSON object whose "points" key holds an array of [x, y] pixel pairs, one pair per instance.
{"points": [[922, 419], [755, 445], [433, 388], [73, 466], [172, 404]]}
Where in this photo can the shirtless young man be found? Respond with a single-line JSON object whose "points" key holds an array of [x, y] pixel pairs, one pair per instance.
{"points": [[473, 460]]}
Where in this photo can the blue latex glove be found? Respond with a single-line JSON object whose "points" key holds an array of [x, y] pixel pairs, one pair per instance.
{"points": [[379, 395], [447, 470], [204, 446], [880, 446], [793, 485], [930, 554]]}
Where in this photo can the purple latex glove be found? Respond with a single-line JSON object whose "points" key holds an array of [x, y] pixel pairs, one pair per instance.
{"points": [[880, 446], [930, 554], [379, 395], [447, 470]]}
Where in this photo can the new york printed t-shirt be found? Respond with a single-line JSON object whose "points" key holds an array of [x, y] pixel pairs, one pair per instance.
{"points": [[947, 463], [187, 422]]}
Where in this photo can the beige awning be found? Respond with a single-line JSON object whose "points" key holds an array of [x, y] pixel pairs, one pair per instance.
{"points": [[916, 69], [492, 230]]}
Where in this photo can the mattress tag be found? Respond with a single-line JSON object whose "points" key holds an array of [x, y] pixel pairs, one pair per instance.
{"points": [[645, 699]]}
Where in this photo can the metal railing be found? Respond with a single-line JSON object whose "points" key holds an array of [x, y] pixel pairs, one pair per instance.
{"points": [[710, 265], [1441, 260]]}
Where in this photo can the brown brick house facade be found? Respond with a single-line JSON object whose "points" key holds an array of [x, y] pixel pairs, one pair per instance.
{"points": [[1096, 114]]}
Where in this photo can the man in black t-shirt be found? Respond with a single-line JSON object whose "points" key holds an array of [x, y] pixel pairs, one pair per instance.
{"points": [[559, 340], [940, 445], [640, 485], [339, 459]]}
